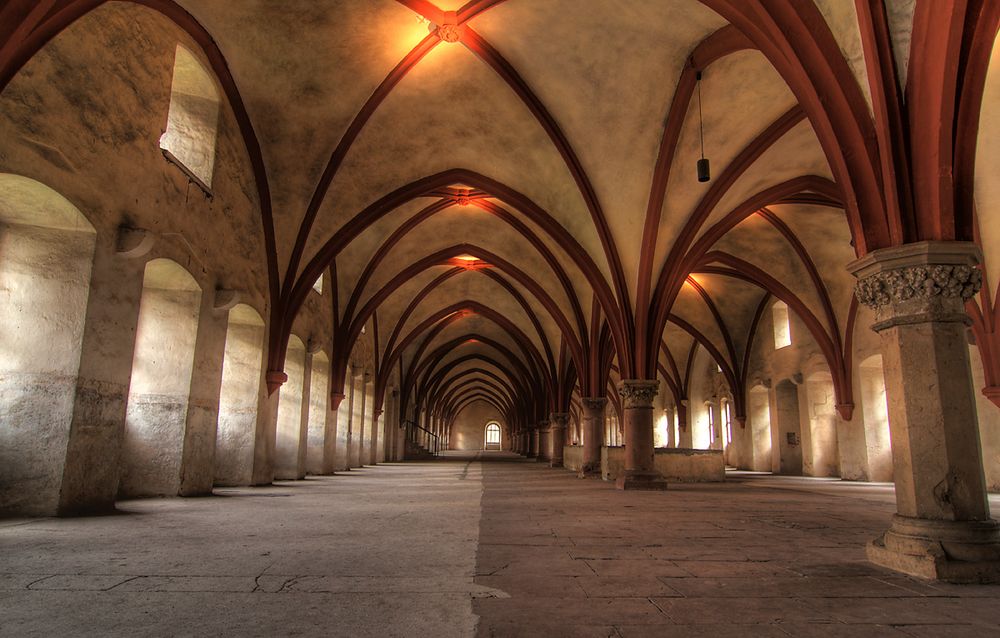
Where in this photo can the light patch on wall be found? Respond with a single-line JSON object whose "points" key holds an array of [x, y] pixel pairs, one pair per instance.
{"points": [[193, 118], [661, 435], [782, 328]]}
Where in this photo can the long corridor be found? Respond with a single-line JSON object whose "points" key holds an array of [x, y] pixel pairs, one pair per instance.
{"points": [[488, 544]]}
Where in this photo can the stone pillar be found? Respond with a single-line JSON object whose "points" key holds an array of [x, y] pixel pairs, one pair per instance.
{"points": [[637, 404], [544, 441], [265, 434], [378, 453], [391, 426], [300, 462], [685, 439], [593, 435], [90, 472], [557, 434], [330, 433], [671, 435], [533, 440], [198, 457], [942, 528]]}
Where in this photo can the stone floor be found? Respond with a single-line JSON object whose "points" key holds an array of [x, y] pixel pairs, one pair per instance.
{"points": [[499, 548]]}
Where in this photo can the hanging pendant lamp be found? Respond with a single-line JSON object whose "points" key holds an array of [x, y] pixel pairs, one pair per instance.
{"points": [[704, 170]]}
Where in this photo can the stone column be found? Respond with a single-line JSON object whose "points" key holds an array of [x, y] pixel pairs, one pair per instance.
{"points": [[90, 471], [300, 463], [533, 440], [557, 428], [685, 439], [593, 435], [265, 432], [198, 457], [942, 528], [330, 434], [544, 441], [637, 403], [378, 454]]}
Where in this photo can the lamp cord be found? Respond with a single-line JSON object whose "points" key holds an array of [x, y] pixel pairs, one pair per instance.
{"points": [[701, 121]]}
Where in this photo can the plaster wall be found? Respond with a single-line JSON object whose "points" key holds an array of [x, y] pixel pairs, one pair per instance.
{"points": [[318, 399], [87, 112], [241, 383], [44, 287], [786, 428], [612, 461], [822, 457], [343, 424], [156, 415], [989, 424], [573, 457], [469, 429], [875, 420], [759, 426], [690, 466], [367, 450], [290, 408], [676, 464]]}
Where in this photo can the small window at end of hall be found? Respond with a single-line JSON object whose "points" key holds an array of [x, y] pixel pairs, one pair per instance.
{"points": [[193, 119], [318, 285], [782, 329]]}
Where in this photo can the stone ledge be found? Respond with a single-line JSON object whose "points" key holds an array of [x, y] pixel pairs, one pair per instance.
{"points": [[647, 482]]}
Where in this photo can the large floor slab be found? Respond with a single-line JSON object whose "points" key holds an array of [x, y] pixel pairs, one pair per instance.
{"points": [[494, 545], [757, 555], [384, 551]]}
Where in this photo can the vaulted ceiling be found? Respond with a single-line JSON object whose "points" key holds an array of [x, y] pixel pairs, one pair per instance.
{"points": [[505, 191], [501, 184]]}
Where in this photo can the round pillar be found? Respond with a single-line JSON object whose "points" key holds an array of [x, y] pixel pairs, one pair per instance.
{"points": [[637, 403], [593, 435], [557, 435], [544, 442]]}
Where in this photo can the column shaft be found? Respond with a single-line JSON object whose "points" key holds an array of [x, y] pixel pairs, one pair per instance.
{"points": [[640, 470], [593, 435]]}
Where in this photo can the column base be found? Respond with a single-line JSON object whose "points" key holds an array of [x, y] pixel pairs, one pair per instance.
{"points": [[951, 551], [590, 469], [556, 463], [640, 481]]}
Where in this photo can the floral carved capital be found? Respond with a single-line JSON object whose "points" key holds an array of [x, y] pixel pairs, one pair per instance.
{"points": [[895, 286], [595, 403], [638, 393]]}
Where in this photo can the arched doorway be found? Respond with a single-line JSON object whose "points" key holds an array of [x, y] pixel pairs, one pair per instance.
{"points": [[493, 434]]}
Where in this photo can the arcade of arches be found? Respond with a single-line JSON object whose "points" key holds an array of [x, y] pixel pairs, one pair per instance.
{"points": [[248, 242]]}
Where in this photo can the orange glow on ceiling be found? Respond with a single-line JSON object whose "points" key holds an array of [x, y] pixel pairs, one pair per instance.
{"points": [[468, 262]]}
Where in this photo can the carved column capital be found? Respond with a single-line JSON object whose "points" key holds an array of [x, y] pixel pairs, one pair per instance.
{"points": [[559, 420], [918, 283], [595, 403], [638, 393]]}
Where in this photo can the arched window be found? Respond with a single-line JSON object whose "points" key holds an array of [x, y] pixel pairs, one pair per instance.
{"points": [[782, 329], [493, 436], [711, 423], [727, 422], [192, 122]]}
